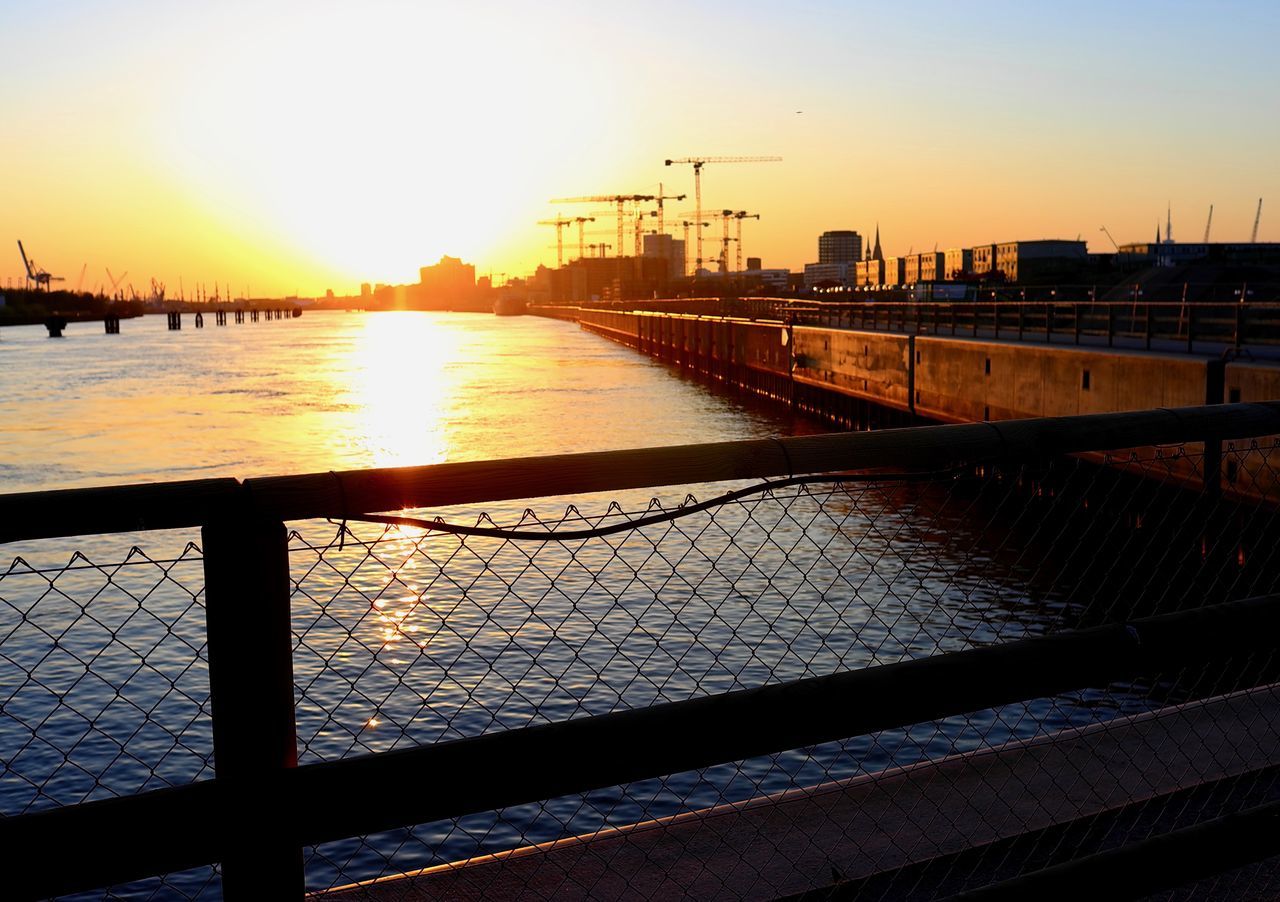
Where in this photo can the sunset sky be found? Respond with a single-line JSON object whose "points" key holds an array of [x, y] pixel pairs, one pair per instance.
{"points": [[298, 147]]}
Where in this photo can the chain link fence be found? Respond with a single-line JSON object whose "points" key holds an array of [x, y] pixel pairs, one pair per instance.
{"points": [[459, 623], [408, 636]]}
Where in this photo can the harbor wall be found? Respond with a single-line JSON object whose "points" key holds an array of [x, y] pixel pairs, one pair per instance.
{"points": [[860, 380]]}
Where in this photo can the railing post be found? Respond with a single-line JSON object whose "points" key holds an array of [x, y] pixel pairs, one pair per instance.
{"points": [[250, 650]]}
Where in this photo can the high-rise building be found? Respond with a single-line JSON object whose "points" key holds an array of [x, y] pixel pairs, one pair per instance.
{"points": [[843, 246]]}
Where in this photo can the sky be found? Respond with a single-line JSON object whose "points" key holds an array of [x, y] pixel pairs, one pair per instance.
{"points": [[289, 148]]}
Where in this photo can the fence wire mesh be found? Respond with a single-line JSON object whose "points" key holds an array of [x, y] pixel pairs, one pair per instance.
{"points": [[104, 688], [407, 636]]}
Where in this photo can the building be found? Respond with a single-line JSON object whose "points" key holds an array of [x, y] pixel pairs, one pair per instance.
{"points": [[666, 248], [911, 269], [844, 246], [753, 263], [870, 273], [772, 279], [829, 275], [366, 290], [1028, 261], [933, 267], [450, 278], [984, 259], [895, 272], [1173, 253], [958, 260]]}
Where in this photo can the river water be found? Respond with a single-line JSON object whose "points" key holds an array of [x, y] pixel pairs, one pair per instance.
{"points": [[404, 639]]}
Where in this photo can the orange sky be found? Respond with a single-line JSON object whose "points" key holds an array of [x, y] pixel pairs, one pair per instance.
{"points": [[297, 147]]}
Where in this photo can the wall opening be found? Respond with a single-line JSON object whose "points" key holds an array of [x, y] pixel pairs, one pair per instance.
{"points": [[1084, 381]]}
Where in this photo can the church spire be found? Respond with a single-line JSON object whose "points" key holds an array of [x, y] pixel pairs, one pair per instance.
{"points": [[877, 254]]}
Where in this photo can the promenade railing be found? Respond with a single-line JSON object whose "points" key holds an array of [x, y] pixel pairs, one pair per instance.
{"points": [[1149, 324], [906, 663]]}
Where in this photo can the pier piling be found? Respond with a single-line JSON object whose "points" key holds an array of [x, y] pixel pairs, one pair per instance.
{"points": [[55, 325], [199, 320], [175, 320], [111, 324]]}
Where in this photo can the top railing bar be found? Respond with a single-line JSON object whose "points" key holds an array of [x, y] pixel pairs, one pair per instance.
{"points": [[115, 509], [912, 448]]}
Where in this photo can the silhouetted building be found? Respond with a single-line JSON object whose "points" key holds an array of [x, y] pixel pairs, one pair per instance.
{"points": [[1031, 260], [665, 247], [448, 278], [366, 290], [843, 246], [754, 263]]}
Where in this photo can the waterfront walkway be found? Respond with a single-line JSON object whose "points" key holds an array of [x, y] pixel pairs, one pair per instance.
{"points": [[799, 840]]}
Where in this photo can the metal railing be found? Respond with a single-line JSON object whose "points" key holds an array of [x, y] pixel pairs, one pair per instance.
{"points": [[901, 621], [1137, 323]]}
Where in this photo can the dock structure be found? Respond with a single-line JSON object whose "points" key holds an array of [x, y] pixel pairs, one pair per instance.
{"points": [[861, 379]]}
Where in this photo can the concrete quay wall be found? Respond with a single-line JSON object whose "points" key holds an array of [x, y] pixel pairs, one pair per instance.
{"points": [[859, 380]]}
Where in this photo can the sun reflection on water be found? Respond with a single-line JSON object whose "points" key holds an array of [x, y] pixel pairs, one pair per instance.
{"points": [[406, 387]]}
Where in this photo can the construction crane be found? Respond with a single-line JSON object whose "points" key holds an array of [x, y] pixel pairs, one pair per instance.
{"points": [[659, 198], [604, 249], [1256, 220], [35, 273], [1208, 224], [580, 220], [739, 216], [724, 217], [685, 223], [559, 222], [620, 199], [115, 283], [697, 163], [80, 281]]}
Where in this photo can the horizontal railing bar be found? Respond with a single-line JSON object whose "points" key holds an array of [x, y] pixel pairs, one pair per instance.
{"points": [[917, 447], [98, 844], [135, 837], [349, 797], [68, 512], [112, 509]]}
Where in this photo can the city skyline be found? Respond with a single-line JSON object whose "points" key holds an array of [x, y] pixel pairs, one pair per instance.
{"points": [[320, 148]]}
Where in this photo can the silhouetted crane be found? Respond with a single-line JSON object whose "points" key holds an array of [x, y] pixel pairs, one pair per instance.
{"points": [[739, 216], [1256, 220], [620, 199], [34, 272], [559, 222], [697, 163]]}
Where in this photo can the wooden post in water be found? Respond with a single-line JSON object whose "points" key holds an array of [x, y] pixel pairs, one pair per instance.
{"points": [[250, 647], [239, 317], [199, 320], [55, 325], [111, 324], [175, 320]]}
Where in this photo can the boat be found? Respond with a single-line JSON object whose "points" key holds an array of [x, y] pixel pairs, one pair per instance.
{"points": [[506, 305]]}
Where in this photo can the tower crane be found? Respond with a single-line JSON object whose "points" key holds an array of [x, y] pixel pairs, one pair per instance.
{"points": [[559, 222], [685, 223], [580, 220], [1256, 220], [35, 273], [115, 282], [697, 163], [80, 281], [620, 199], [724, 217], [1208, 224], [659, 198], [739, 216]]}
